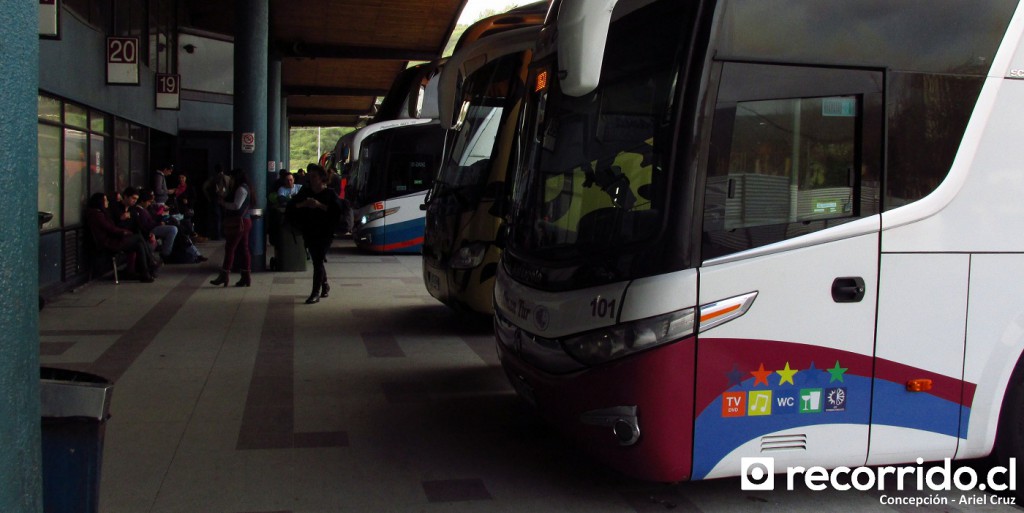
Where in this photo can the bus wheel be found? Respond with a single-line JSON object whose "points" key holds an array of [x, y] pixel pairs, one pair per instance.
{"points": [[1010, 437]]}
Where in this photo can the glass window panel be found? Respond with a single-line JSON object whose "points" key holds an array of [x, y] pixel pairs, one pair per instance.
{"points": [[138, 133], [97, 164], [791, 161], [49, 146], [122, 166], [76, 116], [98, 122], [138, 166], [49, 109], [121, 129], [925, 113], [75, 175]]}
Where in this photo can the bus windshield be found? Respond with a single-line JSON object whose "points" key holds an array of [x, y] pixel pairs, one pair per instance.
{"points": [[467, 165], [593, 180]]}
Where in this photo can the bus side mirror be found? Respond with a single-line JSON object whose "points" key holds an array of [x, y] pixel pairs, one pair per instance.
{"points": [[582, 34]]}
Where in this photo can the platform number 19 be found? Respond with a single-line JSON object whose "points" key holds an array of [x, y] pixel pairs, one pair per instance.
{"points": [[601, 308], [168, 84]]}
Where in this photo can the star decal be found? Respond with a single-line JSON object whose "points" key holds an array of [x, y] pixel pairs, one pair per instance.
{"points": [[812, 375], [786, 374], [735, 376], [761, 375], [837, 373]]}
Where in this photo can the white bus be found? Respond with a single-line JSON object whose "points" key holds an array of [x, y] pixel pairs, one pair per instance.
{"points": [[392, 164], [396, 163], [786, 228]]}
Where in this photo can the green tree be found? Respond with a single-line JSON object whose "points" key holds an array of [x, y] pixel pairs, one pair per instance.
{"points": [[304, 141]]}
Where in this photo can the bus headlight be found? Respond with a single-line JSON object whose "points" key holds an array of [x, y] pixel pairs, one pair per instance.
{"points": [[469, 256], [608, 344], [372, 216]]}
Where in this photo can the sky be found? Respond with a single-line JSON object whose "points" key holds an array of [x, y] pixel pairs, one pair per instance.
{"points": [[475, 7]]}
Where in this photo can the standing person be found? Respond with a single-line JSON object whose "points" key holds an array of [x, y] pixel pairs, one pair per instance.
{"points": [[160, 191], [214, 190], [184, 200], [237, 224], [315, 211]]}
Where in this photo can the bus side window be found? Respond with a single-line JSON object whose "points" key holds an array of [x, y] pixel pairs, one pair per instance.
{"points": [[790, 158]]}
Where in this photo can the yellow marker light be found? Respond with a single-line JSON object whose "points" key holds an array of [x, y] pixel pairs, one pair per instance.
{"points": [[919, 385], [542, 81]]}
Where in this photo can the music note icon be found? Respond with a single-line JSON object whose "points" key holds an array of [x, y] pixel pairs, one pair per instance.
{"points": [[760, 402]]}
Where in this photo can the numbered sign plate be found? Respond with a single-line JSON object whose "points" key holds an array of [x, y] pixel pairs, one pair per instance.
{"points": [[168, 91], [123, 60], [49, 19]]}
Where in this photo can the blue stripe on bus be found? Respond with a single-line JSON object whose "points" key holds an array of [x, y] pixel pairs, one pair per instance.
{"points": [[716, 435]]}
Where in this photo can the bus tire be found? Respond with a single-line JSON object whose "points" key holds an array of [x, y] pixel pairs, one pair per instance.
{"points": [[1010, 435]]}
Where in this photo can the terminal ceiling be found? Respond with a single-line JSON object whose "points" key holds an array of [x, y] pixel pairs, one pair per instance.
{"points": [[338, 56]]}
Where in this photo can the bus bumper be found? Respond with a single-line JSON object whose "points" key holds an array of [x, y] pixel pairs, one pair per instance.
{"points": [[593, 408]]}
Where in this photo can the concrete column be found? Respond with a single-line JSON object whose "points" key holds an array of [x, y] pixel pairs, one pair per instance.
{"points": [[274, 117], [20, 460], [252, 39], [286, 136]]}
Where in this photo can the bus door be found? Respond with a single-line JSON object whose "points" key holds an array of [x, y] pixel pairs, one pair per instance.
{"points": [[409, 175], [789, 273]]}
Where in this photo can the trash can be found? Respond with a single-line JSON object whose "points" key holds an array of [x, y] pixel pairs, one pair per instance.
{"points": [[290, 252], [75, 407]]}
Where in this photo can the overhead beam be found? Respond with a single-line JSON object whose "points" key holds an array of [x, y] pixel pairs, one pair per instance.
{"points": [[333, 91], [302, 50]]}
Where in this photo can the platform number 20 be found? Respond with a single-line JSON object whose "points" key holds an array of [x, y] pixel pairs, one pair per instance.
{"points": [[123, 51], [601, 308]]}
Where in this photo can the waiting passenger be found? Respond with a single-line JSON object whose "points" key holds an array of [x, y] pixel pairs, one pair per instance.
{"points": [[112, 238], [123, 212], [148, 226], [315, 211], [288, 188], [236, 226]]}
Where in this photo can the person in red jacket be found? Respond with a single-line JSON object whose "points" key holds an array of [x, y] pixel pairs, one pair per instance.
{"points": [[113, 238]]}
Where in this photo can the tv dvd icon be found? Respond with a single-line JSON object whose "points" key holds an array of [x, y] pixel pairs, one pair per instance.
{"points": [[757, 473]]}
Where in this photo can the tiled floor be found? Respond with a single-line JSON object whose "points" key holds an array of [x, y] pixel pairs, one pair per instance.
{"points": [[377, 399]]}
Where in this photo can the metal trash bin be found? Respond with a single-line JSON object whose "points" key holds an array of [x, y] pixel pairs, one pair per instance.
{"points": [[75, 407], [290, 252]]}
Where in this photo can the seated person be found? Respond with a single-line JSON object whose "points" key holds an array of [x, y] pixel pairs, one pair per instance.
{"points": [[123, 212], [184, 204], [287, 189], [153, 219], [155, 228], [110, 237]]}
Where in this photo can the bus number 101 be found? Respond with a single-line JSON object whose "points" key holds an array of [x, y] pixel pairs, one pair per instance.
{"points": [[601, 308]]}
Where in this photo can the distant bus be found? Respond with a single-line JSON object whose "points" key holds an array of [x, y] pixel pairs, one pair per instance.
{"points": [[387, 183], [390, 164]]}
